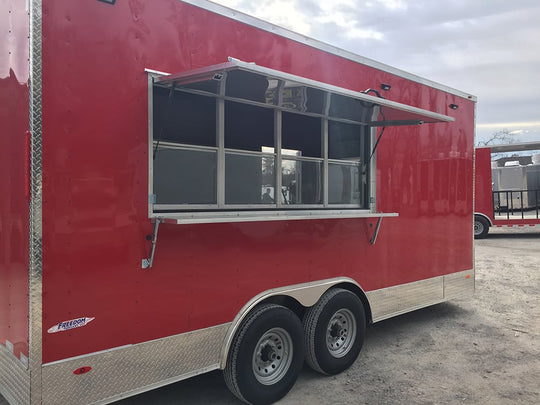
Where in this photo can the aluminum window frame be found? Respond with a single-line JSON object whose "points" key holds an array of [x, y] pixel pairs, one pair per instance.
{"points": [[278, 156], [221, 211]]}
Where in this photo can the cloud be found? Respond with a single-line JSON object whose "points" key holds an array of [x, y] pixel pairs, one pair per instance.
{"points": [[285, 13], [484, 47]]}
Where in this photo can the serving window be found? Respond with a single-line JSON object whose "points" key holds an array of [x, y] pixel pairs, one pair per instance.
{"points": [[237, 138]]}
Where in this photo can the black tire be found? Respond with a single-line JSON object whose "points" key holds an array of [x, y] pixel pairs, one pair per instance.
{"points": [[334, 330], [481, 227], [266, 355]]}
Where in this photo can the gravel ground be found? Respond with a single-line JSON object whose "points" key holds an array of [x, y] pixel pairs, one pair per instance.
{"points": [[482, 349]]}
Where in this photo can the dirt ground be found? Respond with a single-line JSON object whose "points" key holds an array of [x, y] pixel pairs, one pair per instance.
{"points": [[482, 349]]}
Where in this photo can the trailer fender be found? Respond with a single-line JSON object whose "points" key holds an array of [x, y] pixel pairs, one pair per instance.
{"points": [[306, 294], [481, 226], [484, 216]]}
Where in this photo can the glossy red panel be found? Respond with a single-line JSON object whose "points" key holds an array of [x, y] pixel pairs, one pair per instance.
{"points": [[483, 196], [14, 120], [483, 191], [95, 183]]}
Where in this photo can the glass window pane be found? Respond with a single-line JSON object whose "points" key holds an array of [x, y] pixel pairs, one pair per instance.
{"points": [[248, 127], [344, 140], [249, 179], [301, 182], [185, 176], [302, 98], [184, 118], [350, 108], [209, 86], [272, 94], [303, 134], [251, 86], [344, 184]]}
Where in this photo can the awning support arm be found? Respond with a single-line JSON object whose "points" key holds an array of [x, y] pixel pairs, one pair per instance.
{"points": [[376, 232], [147, 263]]}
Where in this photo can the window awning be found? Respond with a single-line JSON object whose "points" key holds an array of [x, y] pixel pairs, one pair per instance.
{"points": [[260, 85]]}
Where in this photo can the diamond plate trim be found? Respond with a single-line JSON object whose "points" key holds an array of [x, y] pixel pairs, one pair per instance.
{"points": [[130, 370], [391, 301], [35, 231], [388, 302], [458, 284], [14, 379]]}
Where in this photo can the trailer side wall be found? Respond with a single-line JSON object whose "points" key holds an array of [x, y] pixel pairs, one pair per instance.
{"points": [[95, 183]]}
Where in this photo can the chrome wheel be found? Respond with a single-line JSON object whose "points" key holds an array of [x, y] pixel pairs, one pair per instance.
{"points": [[478, 228], [266, 355], [334, 331], [341, 333], [272, 356], [481, 227]]}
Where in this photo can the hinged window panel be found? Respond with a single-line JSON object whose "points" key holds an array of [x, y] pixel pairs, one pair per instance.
{"points": [[236, 140]]}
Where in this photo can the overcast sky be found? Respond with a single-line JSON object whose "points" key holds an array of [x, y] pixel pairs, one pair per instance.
{"points": [[488, 48]]}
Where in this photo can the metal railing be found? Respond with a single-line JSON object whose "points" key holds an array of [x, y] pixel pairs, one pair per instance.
{"points": [[516, 203]]}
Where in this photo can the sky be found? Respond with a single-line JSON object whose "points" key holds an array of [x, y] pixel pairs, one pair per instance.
{"points": [[488, 48]]}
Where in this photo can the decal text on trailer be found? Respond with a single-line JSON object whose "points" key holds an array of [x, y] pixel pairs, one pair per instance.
{"points": [[71, 324]]}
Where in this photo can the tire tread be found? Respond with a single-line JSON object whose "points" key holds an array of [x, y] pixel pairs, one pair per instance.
{"points": [[311, 324], [230, 372]]}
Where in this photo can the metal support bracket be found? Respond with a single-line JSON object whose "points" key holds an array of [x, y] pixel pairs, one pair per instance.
{"points": [[376, 232], [147, 263]]}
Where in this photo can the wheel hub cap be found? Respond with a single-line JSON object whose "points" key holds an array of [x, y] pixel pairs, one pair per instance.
{"points": [[272, 356], [341, 333]]}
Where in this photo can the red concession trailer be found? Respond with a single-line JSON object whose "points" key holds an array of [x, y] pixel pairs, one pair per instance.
{"points": [[506, 196], [167, 210]]}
